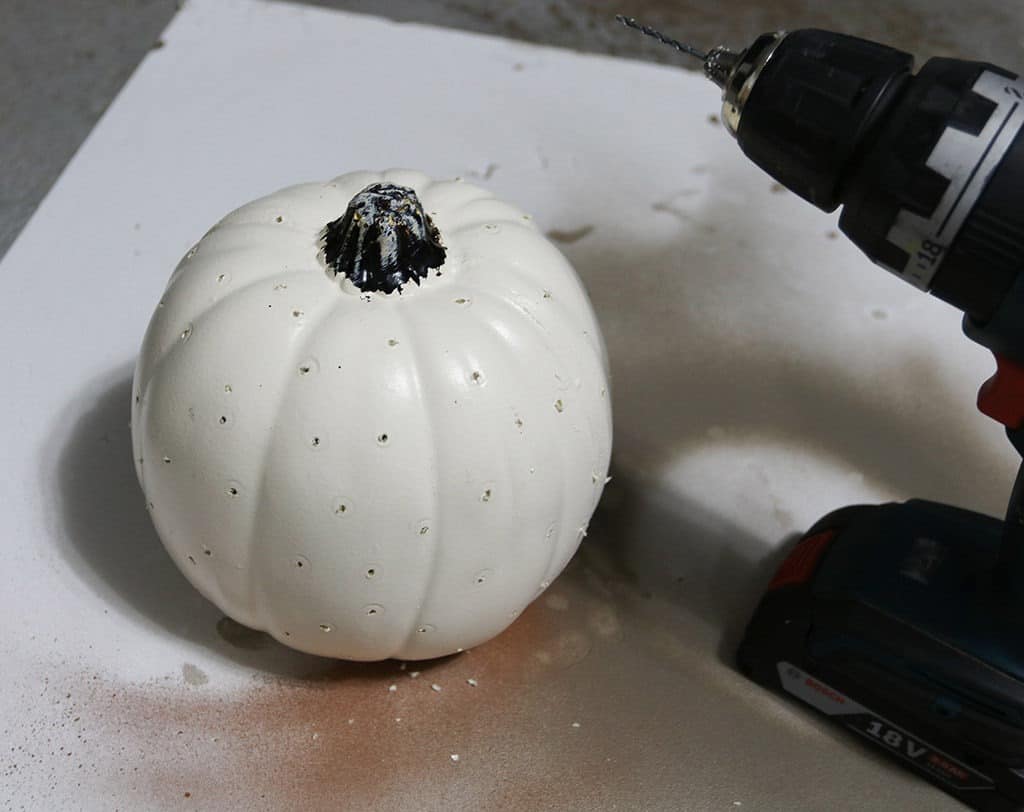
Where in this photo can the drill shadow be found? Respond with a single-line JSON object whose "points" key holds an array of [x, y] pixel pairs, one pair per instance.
{"points": [[670, 545], [671, 404], [110, 543]]}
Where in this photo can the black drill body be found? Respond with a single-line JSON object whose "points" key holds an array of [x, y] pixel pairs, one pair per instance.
{"points": [[904, 622], [843, 121]]}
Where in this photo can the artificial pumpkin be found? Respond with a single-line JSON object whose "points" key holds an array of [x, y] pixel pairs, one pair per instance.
{"points": [[371, 416]]}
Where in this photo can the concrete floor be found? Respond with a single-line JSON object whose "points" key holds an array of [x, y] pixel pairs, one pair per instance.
{"points": [[63, 61]]}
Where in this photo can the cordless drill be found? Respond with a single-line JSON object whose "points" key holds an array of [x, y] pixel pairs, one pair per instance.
{"points": [[903, 622]]}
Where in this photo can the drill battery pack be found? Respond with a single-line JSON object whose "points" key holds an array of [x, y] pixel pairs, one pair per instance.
{"points": [[889, 620]]}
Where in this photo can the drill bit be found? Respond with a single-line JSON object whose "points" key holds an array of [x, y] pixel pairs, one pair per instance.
{"points": [[719, 62], [651, 32]]}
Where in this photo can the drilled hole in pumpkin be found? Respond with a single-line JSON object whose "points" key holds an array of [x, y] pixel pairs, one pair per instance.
{"points": [[486, 495], [371, 573], [190, 558], [426, 628], [477, 377], [392, 342], [559, 406], [186, 334], [315, 442], [382, 439], [482, 577], [297, 313], [207, 551], [167, 460], [424, 530], [374, 609], [326, 627], [342, 508], [223, 420], [279, 219], [232, 490]]}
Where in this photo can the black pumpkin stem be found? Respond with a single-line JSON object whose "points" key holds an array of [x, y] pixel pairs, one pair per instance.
{"points": [[383, 240]]}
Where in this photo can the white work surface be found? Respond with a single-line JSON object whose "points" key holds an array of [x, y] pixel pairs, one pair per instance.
{"points": [[764, 373]]}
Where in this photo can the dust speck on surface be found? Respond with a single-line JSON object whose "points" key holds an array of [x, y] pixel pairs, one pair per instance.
{"points": [[713, 119], [777, 188], [487, 174], [832, 235], [193, 675], [569, 236]]}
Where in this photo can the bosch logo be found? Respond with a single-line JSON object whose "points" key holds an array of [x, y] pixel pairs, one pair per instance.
{"points": [[824, 690]]}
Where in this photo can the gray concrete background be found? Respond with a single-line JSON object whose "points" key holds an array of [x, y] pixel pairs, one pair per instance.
{"points": [[63, 61]]}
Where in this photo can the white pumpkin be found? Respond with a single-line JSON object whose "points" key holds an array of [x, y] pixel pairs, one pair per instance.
{"points": [[371, 474]]}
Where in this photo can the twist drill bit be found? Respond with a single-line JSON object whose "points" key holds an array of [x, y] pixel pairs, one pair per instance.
{"points": [[719, 62], [630, 22]]}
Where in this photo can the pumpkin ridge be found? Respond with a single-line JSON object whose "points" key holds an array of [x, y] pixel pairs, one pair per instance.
{"points": [[298, 352], [435, 465], [198, 318], [562, 478], [440, 190]]}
